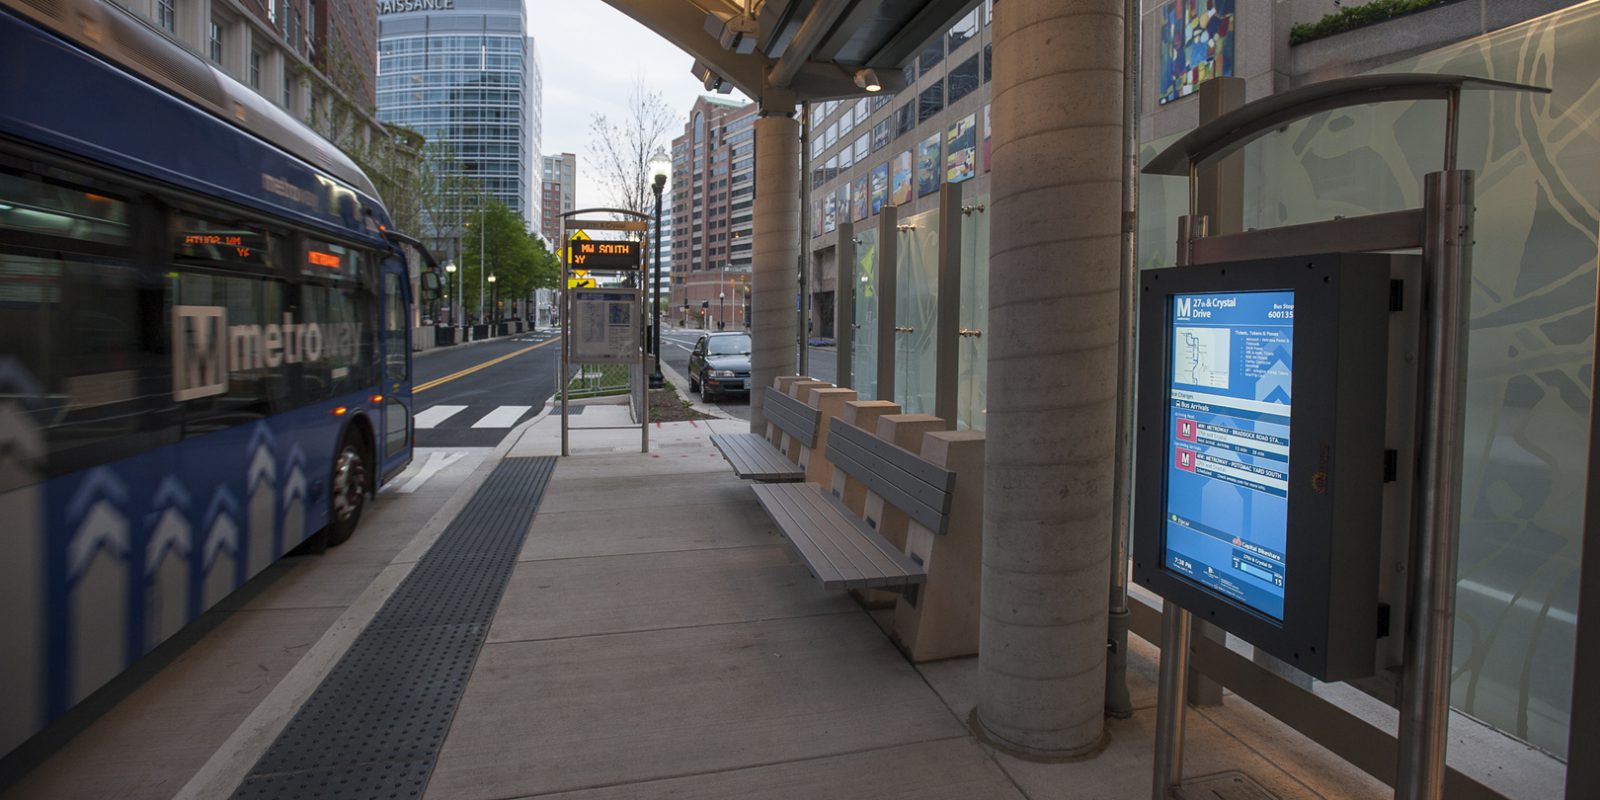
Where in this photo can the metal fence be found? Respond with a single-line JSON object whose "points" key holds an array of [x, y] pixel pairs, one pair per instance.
{"points": [[599, 380]]}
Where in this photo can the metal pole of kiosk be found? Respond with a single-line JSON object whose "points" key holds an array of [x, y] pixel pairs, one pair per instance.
{"points": [[565, 304], [1172, 704], [1430, 628]]}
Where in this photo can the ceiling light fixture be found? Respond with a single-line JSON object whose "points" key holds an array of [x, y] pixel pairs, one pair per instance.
{"points": [[867, 79]]}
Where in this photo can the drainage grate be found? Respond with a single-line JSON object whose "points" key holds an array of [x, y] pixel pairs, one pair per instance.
{"points": [[374, 727]]}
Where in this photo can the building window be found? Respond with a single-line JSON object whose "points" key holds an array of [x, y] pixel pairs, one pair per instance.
{"points": [[964, 79], [255, 70], [931, 55], [905, 119], [288, 86], [964, 30], [930, 102], [216, 41], [311, 22], [167, 14], [988, 62]]}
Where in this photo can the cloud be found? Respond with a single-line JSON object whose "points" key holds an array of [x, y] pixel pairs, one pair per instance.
{"points": [[591, 55]]}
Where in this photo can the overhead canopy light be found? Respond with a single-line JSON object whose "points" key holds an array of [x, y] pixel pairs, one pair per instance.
{"points": [[710, 79], [735, 32], [867, 79]]}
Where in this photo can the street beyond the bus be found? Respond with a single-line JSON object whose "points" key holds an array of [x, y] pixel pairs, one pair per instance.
{"points": [[471, 395]]}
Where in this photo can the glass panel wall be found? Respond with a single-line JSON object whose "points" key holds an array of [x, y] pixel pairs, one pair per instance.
{"points": [[1532, 319], [864, 349], [972, 398], [916, 312]]}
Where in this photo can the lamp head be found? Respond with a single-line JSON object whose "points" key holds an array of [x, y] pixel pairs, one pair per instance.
{"points": [[491, 278], [660, 168], [450, 266], [867, 79]]}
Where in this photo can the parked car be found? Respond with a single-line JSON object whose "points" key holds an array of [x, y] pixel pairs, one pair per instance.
{"points": [[720, 365]]}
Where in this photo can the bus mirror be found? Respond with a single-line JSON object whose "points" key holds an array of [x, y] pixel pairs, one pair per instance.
{"points": [[430, 285]]}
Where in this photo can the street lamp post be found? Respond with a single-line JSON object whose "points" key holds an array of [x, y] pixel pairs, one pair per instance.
{"points": [[494, 307], [659, 166], [455, 309], [482, 208], [722, 298]]}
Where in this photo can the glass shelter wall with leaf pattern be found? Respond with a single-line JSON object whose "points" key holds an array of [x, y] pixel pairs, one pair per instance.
{"points": [[1531, 329], [916, 312]]}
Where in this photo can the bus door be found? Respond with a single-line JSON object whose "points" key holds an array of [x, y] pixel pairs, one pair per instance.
{"points": [[396, 449]]}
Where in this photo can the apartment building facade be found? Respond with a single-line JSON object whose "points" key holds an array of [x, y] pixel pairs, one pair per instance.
{"points": [[712, 207], [306, 56]]}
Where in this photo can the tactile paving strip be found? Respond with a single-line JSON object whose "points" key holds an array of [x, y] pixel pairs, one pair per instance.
{"points": [[374, 727]]}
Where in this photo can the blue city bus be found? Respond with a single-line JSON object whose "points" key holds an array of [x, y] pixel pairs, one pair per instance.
{"points": [[204, 346]]}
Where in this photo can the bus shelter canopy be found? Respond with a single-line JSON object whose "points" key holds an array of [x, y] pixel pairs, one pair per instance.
{"points": [[788, 51]]}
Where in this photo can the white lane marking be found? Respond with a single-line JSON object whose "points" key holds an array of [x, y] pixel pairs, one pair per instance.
{"points": [[502, 417], [436, 461], [433, 415]]}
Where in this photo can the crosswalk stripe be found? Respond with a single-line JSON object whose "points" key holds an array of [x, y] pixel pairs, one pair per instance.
{"points": [[502, 417], [433, 415]]}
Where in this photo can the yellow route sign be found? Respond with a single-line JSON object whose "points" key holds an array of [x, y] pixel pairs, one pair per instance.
{"points": [[577, 236], [580, 283]]}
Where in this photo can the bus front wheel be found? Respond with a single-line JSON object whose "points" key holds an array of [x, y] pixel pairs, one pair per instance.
{"points": [[349, 493]]}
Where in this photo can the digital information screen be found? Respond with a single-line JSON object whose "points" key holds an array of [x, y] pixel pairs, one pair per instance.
{"points": [[1227, 475]]}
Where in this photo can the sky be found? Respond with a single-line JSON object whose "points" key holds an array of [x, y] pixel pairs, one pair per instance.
{"points": [[591, 55]]}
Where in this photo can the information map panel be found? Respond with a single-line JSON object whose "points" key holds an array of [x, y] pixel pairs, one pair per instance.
{"points": [[1227, 492], [604, 326], [1259, 476]]}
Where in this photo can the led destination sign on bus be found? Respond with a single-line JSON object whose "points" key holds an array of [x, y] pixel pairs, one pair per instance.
{"points": [[1227, 511], [590, 254]]}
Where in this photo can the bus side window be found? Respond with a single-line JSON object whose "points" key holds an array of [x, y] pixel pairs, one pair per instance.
{"points": [[85, 364]]}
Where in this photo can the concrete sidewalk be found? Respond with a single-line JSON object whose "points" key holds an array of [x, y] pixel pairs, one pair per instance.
{"points": [[658, 639]]}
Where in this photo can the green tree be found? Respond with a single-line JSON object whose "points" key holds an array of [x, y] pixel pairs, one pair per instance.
{"points": [[518, 260]]}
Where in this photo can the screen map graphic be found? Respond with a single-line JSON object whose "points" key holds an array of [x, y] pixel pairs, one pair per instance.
{"points": [[1228, 434]]}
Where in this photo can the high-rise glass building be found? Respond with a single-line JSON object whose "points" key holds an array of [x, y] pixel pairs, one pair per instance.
{"points": [[465, 73]]}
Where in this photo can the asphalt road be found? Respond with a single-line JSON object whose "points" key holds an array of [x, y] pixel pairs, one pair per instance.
{"points": [[471, 395], [676, 344]]}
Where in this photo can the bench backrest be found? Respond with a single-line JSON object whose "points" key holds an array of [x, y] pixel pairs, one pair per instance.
{"points": [[915, 485], [792, 416]]}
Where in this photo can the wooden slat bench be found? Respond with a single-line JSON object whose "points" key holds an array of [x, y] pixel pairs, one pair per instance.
{"points": [[842, 549], [754, 456]]}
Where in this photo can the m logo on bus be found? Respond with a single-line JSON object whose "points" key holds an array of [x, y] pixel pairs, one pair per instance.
{"points": [[206, 349]]}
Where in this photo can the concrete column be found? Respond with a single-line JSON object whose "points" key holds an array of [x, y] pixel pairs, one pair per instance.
{"points": [[775, 253], [1053, 358]]}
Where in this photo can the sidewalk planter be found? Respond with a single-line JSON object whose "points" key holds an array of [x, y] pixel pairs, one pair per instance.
{"points": [[480, 332], [444, 335]]}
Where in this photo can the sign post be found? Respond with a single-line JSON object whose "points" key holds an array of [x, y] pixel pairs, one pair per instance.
{"points": [[602, 324]]}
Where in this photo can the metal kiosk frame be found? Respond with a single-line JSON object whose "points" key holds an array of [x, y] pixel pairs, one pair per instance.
{"points": [[1442, 228], [633, 222]]}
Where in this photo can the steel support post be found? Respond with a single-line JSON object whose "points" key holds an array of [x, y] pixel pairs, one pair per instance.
{"points": [[844, 306], [1173, 706], [803, 264], [1118, 703], [1425, 683]]}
